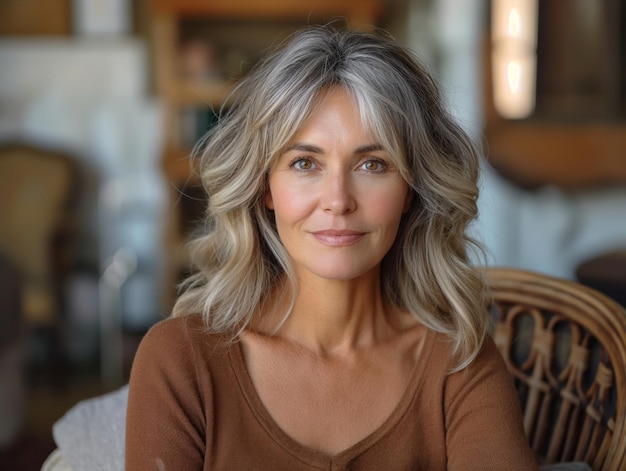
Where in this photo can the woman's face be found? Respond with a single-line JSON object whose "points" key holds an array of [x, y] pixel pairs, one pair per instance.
{"points": [[336, 194]]}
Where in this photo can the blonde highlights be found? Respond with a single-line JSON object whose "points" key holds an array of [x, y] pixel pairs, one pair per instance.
{"points": [[239, 260]]}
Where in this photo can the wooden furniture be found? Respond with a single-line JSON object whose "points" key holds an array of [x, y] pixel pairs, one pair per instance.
{"points": [[195, 29], [38, 228], [178, 91], [565, 345], [37, 223], [606, 273], [35, 18], [577, 135]]}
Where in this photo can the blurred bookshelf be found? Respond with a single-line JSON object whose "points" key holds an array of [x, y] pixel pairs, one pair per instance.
{"points": [[200, 49]]}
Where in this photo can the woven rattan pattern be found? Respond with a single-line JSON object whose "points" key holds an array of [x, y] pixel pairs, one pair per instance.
{"points": [[565, 345]]}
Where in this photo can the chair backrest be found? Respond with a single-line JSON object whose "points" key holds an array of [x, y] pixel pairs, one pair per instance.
{"points": [[38, 188], [565, 345]]}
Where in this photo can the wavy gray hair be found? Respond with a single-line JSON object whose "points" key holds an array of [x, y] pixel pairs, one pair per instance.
{"points": [[239, 259]]}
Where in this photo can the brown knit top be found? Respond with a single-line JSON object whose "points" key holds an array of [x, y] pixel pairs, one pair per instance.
{"points": [[193, 406]]}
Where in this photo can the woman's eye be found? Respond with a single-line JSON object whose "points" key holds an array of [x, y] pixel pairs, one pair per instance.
{"points": [[303, 164], [374, 166]]}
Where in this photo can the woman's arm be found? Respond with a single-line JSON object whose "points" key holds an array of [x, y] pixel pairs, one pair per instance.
{"points": [[484, 428], [165, 422]]}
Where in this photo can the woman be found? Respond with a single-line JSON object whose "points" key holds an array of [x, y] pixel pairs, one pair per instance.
{"points": [[334, 321]]}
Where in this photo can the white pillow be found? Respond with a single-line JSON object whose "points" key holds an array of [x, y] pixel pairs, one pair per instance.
{"points": [[91, 435]]}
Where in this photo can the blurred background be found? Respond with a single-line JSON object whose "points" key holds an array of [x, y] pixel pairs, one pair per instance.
{"points": [[101, 102]]}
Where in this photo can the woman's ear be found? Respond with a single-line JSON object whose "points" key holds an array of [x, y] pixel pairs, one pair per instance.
{"points": [[269, 202]]}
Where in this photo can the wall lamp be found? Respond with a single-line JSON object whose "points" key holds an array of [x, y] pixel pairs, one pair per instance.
{"points": [[514, 56]]}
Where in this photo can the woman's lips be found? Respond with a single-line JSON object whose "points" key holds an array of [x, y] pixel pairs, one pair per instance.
{"points": [[338, 238]]}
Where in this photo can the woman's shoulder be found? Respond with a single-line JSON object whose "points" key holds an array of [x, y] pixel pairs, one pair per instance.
{"points": [[184, 332], [442, 352], [191, 325], [181, 347]]}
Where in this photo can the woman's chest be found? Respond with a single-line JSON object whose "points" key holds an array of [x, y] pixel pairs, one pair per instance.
{"points": [[331, 403]]}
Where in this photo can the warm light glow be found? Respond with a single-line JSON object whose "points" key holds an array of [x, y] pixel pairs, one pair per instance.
{"points": [[514, 19], [514, 84], [514, 58], [513, 23], [514, 72]]}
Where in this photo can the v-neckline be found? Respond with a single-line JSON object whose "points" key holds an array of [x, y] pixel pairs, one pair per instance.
{"points": [[310, 455]]}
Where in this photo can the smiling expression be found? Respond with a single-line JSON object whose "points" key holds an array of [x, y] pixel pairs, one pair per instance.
{"points": [[336, 194]]}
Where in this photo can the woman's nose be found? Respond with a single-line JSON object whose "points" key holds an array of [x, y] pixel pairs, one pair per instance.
{"points": [[337, 196]]}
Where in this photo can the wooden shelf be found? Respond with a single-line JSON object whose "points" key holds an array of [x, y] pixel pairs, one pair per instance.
{"points": [[566, 155], [178, 167], [180, 93], [196, 92], [185, 100], [361, 14]]}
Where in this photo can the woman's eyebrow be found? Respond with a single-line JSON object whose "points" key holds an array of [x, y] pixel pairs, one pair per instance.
{"points": [[303, 147], [369, 148]]}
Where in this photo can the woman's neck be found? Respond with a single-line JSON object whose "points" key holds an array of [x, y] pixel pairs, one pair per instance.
{"points": [[331, 317]]}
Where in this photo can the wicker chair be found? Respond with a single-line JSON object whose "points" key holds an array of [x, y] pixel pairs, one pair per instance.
{"points": [[565, 345]]}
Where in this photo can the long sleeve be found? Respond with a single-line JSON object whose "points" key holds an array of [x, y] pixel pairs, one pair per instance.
{"points": [[166, 418], [483, 418], [192, 406]]}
